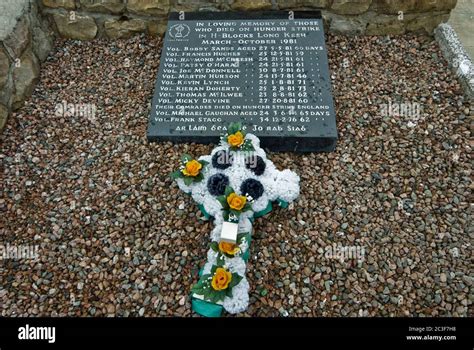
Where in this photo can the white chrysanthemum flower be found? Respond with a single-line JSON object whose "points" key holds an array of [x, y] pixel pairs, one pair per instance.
{"points": [[207, 267], [183, 187], [212, 256], [240, 298], [236, 265]]}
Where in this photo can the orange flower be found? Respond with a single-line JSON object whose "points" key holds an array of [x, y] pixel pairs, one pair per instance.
{"points": [[235, 201], [221, 279], [192, 168], [235, 140], [228, 248]]}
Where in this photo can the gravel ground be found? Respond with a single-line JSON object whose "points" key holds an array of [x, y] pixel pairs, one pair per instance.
{"points": [[117, 237]]}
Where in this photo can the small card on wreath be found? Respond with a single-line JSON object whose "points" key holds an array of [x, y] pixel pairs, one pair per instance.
{"points": [[229, 232]]}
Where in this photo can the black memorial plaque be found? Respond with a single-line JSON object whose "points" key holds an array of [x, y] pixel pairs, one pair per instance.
{"points": [[262, 68]]}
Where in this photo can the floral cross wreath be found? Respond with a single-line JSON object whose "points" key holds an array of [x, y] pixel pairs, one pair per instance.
{"points": [[234, 184]]}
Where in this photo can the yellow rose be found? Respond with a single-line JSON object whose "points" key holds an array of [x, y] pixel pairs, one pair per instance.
{"points": [[235, 140], [228, 248], [235, 201], [221, 279], [192, 168]]}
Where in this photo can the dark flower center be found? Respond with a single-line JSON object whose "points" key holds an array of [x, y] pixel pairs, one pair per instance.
{"points": [[217, 183], [222, 160], [252, 187], [256, 164]]}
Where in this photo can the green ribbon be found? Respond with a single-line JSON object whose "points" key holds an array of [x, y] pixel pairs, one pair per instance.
{"points": [[205, 308], [203, 211], [264, 211], [246, 255]]}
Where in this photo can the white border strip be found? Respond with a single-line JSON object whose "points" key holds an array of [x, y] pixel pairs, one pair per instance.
{"points": [[457, 57]]}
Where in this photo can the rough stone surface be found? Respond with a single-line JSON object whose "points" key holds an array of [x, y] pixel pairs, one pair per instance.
{"points": [[42, 43], [157, 28], [435, 5], [385, 25], [25, 36], [350, 7], [25, 77], [3, 115], [149, 7], [104, 6], [357, 15], [346, 25], [244, 5], [290, 4], [393, 7], [407, 6], [67, 4], [4, 68], [123, 29], [10, 12], [199, 5], [426, 22], [82, 27], [7, 90], [42, 34], [19, 38]]}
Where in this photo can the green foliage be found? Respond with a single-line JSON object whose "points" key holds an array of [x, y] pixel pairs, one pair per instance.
{"points": [[228, 191], [199, 177], [186, 158], [188, 180], [200, 287], [223, 201], [234, 127], [176, 174], [236, 278], [215, 246], [220, 259], [247, 146]]}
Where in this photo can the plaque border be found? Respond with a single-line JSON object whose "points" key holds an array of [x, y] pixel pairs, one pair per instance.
{"points": [[299, 144]]}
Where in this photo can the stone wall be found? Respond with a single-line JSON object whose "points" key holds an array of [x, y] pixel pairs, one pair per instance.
{"points": [[88, 19], [26, 39]]}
